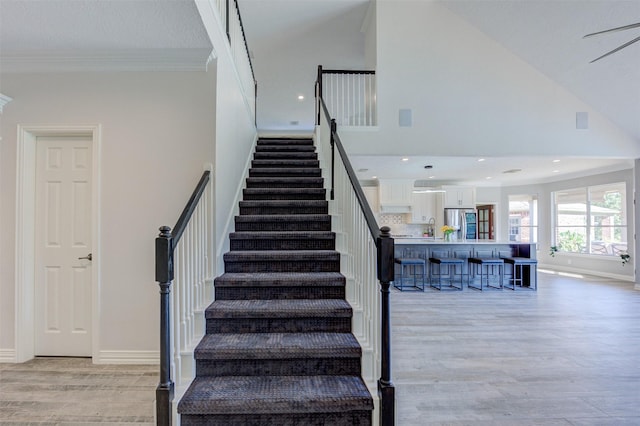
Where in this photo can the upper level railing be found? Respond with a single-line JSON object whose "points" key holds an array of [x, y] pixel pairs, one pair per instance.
{"points": [[350, 96], [230, 13], [369, 257], [183, 254]]}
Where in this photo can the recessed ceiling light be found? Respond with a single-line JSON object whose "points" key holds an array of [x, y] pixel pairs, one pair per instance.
{"points": [[374, 177], [405, 159], [301, 97], [489, 177], [556, 171], [431, 177], [556, 161], [481, 159]]}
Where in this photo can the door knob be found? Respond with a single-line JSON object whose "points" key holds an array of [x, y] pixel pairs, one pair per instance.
{"points": [[88, 257]]}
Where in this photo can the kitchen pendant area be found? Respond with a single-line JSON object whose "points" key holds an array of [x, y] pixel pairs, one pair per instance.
{"points": [[412, 210]]}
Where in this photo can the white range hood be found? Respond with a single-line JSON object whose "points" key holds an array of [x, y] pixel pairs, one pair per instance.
{"points": [[395, 195], [395, 209]]}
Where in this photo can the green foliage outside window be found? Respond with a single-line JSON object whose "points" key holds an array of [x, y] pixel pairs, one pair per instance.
{"points": [[571, 241]]}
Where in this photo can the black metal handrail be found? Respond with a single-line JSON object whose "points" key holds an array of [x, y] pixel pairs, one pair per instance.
{"points": [[246, 48], [166, 242], [385, 248]]}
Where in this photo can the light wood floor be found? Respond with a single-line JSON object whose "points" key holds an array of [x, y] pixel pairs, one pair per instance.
{"points": [[568, 354]]}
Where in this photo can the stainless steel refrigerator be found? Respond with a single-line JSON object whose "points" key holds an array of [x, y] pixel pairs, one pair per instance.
{"points": [[464, 221]]}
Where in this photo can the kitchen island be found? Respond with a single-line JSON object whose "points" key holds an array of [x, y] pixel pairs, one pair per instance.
{"points": [[423, 247]]}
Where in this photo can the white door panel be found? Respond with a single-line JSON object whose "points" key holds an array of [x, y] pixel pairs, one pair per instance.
{"points": [[63, 235]]}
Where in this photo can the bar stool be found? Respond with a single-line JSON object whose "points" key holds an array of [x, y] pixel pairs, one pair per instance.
{"points": [[485, 261], [518, 269], [443, 258], [411, 260]]}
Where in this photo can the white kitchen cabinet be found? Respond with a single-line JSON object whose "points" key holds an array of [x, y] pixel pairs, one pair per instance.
{"points": [[394, 195], [459, 197], [423, 207], [371, 193]]}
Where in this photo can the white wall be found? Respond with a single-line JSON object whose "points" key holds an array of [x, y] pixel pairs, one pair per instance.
{"points": [[157, 133], [470, 96], [236, 136]]}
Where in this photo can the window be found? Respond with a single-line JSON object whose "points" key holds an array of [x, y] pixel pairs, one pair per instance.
{"points": [[592, 220], [523, 218]]}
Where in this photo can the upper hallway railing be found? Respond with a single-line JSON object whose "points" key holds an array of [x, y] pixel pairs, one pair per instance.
{"points": [[369, 251], [350, 96], [230, 13], [184, 253]]}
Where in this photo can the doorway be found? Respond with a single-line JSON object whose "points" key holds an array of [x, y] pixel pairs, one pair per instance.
{"points": [[486, 214], [57, 223]]}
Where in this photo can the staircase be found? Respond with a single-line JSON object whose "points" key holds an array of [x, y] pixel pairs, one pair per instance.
{"points": [[279, 348]]}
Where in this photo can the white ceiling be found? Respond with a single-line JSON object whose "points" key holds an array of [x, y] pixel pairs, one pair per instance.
{"points": [[289, 38], [481, 171], [79, 35]]}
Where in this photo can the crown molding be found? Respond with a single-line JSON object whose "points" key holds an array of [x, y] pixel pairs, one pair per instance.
{"points": [[4, 100], [193, 59]]}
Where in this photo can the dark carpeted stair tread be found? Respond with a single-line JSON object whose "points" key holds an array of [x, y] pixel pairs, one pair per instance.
{"points": [[277, 279], [277, 346], [284, 203], [285, 148], [284, 163], [284, 141], [293, 235], [284, 194], [305, 155], [281, 240], [284, 218], [275, 394], [284, 171], [284, 207], [285, 182], [280, 255], [301, 222], [303, 308]]}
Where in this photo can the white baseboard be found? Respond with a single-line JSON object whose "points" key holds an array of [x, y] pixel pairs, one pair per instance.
{"points": [[587, 272], [8, 356], [128, 357]]}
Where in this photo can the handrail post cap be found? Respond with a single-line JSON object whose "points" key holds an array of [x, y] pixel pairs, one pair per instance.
{"points": [[385, 232], [165, 231]]}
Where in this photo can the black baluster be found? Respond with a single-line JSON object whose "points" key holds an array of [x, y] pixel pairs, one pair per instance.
{"points": [[386, 390]]}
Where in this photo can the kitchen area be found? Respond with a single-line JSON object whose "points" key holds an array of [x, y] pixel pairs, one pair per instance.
{"points": [[444, 219], [421, 212]]}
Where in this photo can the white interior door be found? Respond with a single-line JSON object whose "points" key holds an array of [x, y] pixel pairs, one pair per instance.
{"points": [[62, 239]]}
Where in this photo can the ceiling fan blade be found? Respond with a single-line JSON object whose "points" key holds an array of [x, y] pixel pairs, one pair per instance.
{"points": [[612, 30], [629, 43]]}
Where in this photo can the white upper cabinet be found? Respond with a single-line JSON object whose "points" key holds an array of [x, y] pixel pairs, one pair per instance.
{"points": [[459, 197], [423, 207], [395, 195]]}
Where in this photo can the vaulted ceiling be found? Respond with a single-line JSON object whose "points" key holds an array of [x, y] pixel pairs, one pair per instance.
{"points": [[289, 38]]}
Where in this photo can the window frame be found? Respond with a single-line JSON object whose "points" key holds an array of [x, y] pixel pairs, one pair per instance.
{"points": [[591, 226]]}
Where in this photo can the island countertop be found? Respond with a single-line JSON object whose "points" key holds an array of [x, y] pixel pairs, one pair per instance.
{"points": [[440, 241]]}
